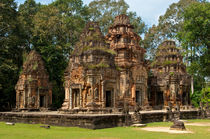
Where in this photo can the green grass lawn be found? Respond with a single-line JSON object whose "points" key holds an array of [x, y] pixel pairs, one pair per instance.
{"points": [[29, 131]]}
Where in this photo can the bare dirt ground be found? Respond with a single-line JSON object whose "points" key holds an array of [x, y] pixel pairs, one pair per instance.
{"points": [[165, 129], [198, 124]]}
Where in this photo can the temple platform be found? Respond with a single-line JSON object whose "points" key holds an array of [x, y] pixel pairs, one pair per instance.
{"points": [[92, 121]]}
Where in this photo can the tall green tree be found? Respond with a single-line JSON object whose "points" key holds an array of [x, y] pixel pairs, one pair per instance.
{"points": [[105, 11], [27, 11], [194, 38], [195, 34], [48, 28], [10, 52], [73, 15], [168, 26], [57, 27], [60, 23], [151, 41]]}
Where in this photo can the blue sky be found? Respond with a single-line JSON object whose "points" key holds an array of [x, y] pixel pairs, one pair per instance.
{"points": [[149, 10]]}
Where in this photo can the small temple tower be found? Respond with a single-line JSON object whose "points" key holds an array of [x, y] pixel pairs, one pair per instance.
{"points": [[169, 82], [33, 90], [90, 78], [130, 61]]}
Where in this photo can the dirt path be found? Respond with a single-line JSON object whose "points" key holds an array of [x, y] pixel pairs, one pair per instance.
{"points": [[165, 129], [198, 124]]}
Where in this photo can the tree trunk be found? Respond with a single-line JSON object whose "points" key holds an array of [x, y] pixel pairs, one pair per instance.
{"points": [[192, 85]]}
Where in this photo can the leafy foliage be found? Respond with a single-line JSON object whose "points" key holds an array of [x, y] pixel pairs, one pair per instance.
{"points": [[201, 96], [27, 11], [105, 11], [52, 30], [194, 38], [195, 35], [168, 26], [10, 52], [56, 30]]}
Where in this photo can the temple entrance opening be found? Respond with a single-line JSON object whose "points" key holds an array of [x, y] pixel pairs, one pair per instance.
{"points": [[183, 98], [42, 102], [160, 101], [75, 97], [138, 97], [21, 100], [108, 99]]}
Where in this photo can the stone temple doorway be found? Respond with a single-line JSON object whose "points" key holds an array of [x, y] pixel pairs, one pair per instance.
{"points": [[138, 97], [108, 99], [76, 99], [21, 100], [42, 101], [160, 101]]}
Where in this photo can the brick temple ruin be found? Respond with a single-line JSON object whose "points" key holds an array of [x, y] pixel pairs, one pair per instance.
{"points": [[33, 89], [169, 83], [91, 74], [108, 83], [109, 72], [130, 60], [106, 72]]}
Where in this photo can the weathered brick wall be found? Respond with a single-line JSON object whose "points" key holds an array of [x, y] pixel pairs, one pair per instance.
{"points": [[154, 117], [190, 114], [84, 121], [91, 121]]}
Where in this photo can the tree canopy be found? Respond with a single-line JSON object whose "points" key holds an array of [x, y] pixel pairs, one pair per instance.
{"points": [[168, 26], [10, 52], [57, 27], [105, 11], [195, 34]]}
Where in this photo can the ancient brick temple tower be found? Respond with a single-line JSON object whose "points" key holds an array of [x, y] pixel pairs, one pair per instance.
{"points": [[90, 78], [130, 59], [170, 82], [33, 90], [102, 75]]}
